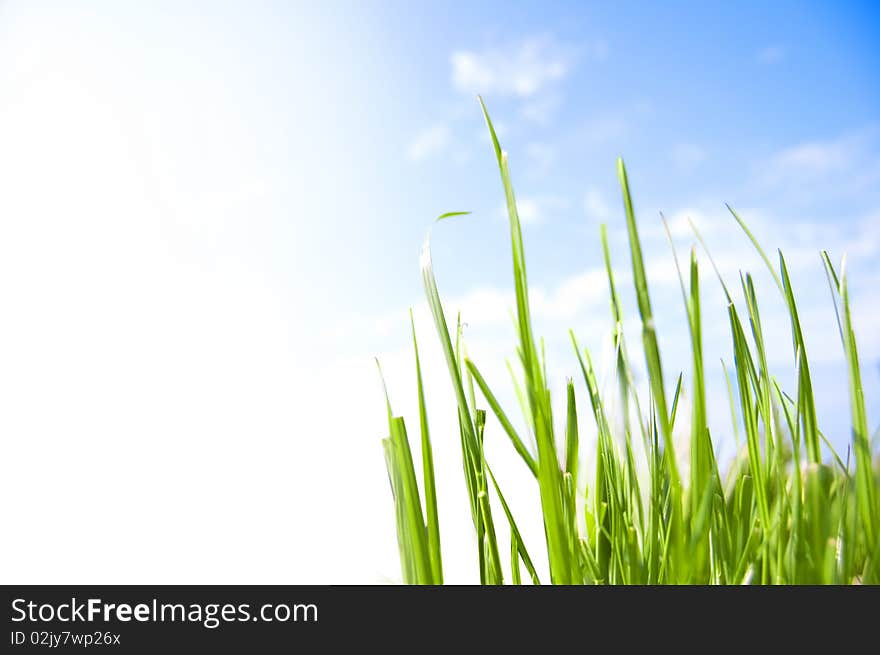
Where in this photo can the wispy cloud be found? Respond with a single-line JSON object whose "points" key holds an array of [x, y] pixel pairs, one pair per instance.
{"points": [[603, 129], [541, 155], [815, 158], [492, 307], [541, 109], [771, 54], [572, 295], [687, 155], [536, 209], [429, 142], [844, 165], [520, 69], [679, 223], [595, 205]]}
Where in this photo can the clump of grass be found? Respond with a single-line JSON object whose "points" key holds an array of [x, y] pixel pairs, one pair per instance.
{"points": [[778, 515]]}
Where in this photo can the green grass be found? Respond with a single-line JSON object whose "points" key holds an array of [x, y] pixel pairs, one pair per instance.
{"points": [[778, 514]]}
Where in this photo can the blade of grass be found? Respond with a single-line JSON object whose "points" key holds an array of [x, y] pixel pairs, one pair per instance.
{"points": [[428, 471], [518, 444], [865, 483], [471, 448], [516, 536], [549, 474], [649, 335]]}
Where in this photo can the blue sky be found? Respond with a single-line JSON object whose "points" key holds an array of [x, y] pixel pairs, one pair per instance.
{"points": [[773, 110], [210, 218], [694, 96]]}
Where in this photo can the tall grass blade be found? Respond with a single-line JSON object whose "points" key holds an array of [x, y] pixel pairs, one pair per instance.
{"points": [[433, 522], [549, 474]]}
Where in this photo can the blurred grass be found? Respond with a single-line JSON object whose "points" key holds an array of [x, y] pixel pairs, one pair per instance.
{"points": [[779, 514]]}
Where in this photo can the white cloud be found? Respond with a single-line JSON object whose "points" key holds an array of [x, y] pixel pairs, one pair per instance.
{"points": [[570, 296], [520, 69], [429, 142], [529, 210], [596, 206], [542, 155], [832, 175], [687, 155], [814, 158], [485, 306], [491, 307], [679, 222], [810, 161], [536, 209], [541, 109]]}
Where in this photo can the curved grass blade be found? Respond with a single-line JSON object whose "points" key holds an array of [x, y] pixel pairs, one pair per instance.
{"points": [[471, 446]]}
